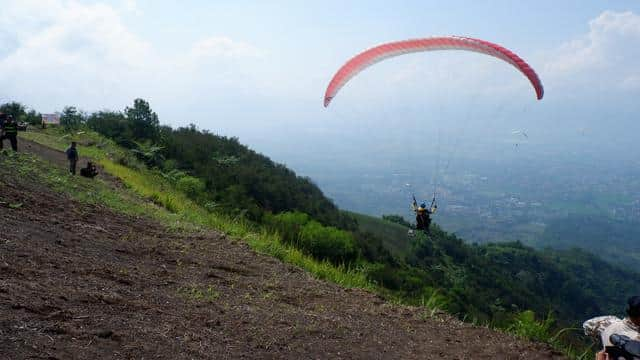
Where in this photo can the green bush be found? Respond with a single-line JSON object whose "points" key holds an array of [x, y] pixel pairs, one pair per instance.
{"points": [[128, 160], [525, 325], [327, 243], [288, 225], [191, 186], [313, 238], [385, 276]]}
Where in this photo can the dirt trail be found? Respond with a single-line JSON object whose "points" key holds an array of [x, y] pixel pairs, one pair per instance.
{"points": [[79, 281]]}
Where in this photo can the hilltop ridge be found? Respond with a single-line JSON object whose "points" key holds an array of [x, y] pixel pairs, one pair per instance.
{"points": [[192, 180], [82, 280]]}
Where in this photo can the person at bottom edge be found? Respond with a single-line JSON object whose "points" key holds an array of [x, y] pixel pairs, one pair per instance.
{"points": [[602, 327]]}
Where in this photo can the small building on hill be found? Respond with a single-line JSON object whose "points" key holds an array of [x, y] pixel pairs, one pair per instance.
{"points": [[50, 119]]}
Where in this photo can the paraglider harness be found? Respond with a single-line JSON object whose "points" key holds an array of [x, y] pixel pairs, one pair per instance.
{"points": [[423, 221]]}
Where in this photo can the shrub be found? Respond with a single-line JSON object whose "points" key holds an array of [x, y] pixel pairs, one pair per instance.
{"points": [[128, 160], [191, 186], [321, 242], [288, 225], [525, 325], [327, 243]]}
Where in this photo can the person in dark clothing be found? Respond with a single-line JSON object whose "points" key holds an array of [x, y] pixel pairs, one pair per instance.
{"points": [[423, 219], [3, 118], [10, 132], [72, 156], [603, 328], [90, 171]]}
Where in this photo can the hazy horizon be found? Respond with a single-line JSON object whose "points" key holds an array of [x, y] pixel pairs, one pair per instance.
{"points": [[258, 72]]}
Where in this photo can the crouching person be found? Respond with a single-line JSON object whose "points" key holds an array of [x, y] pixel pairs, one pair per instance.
{"points": [[90, 171]]}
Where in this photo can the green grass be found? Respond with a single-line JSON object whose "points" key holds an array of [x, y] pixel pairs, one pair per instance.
{"points": [[147, 193], [199, 293], [85, 190], [526, 326], [89, 143]]}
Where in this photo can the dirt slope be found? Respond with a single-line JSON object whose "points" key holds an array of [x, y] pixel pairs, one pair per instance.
{"points": [[81, 282]]}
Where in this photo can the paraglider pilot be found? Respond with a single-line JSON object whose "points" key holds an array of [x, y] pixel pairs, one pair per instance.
{"points": [[423, 219]]}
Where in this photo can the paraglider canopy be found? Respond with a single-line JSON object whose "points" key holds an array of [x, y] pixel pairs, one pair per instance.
{"points": [[381, 52], [520, 132]]}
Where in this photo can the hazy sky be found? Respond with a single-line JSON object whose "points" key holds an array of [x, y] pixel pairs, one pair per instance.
{"points": [[258, 69]]}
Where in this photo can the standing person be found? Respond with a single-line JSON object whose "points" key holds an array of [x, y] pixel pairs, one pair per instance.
{"points": [[72, 155], [3, 118], [10, 132]]}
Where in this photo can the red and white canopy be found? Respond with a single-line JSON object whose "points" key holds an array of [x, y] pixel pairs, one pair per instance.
{"points": [[388, 50]]}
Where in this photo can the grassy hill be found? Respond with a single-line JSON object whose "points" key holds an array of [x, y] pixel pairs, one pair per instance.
{"points": [[112, 268], [172, 206], [190, 179], [434, 284], [571, 283]]}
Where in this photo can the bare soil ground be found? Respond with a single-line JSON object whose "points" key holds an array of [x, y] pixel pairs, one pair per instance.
{"points": [[79, 281]]}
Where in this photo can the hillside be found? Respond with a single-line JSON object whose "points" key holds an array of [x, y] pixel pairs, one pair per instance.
{"points": [[394, 236], [192, 180], [490, 280], [82, 280]]}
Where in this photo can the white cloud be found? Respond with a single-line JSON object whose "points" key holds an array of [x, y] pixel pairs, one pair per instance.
{"points": [[602, 62], [69, 53], [216, 47], [606, 56], [58, 52], [131, 6]]}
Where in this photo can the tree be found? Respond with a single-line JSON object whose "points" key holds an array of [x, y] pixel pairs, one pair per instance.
{"points": [[113, 125], [15, 109], [149, 153], [32, 117], [71, 118], [191, 186], [20, 113], [143, 121]]}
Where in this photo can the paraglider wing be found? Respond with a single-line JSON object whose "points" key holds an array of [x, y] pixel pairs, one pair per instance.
{"points": [[392, 49], [520, 132]]}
